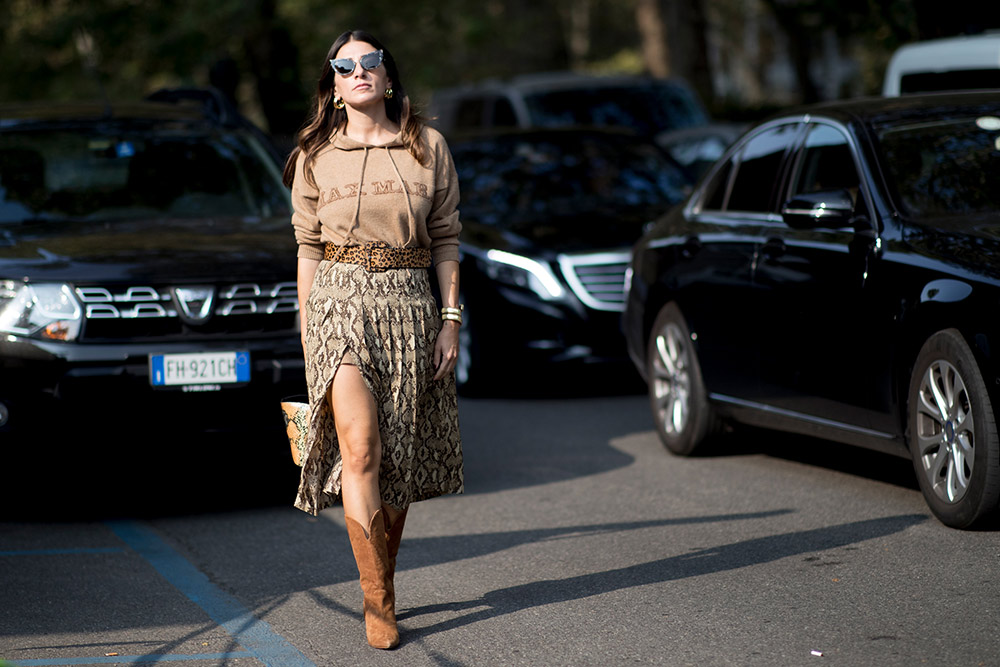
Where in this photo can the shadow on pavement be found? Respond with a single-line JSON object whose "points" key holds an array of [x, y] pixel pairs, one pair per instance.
{"points": [[707, 561], [96, 466], [149, 475], [323, 560]]}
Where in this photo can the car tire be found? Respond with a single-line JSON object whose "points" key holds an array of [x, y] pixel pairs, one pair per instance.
{"points": [[677, 394], [952, 433], [469, 371]]}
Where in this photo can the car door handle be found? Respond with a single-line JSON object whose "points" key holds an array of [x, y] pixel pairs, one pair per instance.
{"points": [[691, 247], [773, 249]]}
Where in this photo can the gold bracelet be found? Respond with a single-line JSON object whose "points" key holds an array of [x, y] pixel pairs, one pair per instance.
{"points": [[452, 316], [453, 311]]}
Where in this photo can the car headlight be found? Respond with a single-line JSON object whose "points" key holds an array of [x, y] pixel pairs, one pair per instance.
{"points": [[522, 271], [47, 311]]}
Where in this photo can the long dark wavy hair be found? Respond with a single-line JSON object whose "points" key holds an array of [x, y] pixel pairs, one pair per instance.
{"points": [[325, 119]]}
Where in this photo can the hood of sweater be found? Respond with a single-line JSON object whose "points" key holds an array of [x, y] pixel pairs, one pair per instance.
{"points": [[343, 142]]}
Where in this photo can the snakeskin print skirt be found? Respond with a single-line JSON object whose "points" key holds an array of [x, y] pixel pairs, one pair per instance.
{"points": [[385, 323]]}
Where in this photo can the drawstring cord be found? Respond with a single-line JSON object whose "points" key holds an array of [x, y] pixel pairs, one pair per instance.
{"points": [[411, 221], [357, 209], [411, 217]]}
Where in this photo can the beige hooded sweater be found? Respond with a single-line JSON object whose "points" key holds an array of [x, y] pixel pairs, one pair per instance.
{"points": [[362, 193]]}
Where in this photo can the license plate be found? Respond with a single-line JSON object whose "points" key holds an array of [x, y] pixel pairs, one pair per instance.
{"points": [[199, 368]]}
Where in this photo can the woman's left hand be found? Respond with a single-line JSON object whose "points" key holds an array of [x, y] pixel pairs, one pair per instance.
{"points": [[446, 349]]}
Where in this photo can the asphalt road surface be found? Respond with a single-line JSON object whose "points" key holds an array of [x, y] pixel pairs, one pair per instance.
{"points": [[579, 541]]}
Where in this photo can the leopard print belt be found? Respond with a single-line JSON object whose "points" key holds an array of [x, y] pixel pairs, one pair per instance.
{"points": [[379, 256]]}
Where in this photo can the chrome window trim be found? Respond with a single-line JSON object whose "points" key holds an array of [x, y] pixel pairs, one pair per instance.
{"points": [[762, 407]]}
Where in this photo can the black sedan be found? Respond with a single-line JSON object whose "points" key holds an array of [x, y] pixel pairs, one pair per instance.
{"points": [[548, 219], [837, 274]]}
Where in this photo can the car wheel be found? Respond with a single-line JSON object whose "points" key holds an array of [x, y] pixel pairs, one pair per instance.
{"points": [[468, 369], [676, 390], [952, 433]]}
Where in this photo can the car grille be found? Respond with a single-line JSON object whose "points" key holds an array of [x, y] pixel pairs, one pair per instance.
{"points": [[162, 312], [598, 280]]}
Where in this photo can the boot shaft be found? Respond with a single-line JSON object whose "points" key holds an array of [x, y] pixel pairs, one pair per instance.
{"points": [[374, 571]]}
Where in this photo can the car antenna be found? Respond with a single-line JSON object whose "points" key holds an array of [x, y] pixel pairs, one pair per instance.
{"points": [[91, 57]]}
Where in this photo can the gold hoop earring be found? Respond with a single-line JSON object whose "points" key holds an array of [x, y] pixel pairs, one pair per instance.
{"points": [[338, 103], [388, 93]]}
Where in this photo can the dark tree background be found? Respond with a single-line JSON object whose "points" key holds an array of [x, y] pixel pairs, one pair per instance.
{"points": [[266, 54]]}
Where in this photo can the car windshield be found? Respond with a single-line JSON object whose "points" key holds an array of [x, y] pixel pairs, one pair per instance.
{"points": [[108, 173], [945, 167], [646, 109], [511, 181]]}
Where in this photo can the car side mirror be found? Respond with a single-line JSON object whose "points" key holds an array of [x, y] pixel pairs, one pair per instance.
{"points": [[831, 209]]}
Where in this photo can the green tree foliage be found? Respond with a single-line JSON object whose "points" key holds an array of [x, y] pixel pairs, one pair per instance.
{"points": [[268, 53]]}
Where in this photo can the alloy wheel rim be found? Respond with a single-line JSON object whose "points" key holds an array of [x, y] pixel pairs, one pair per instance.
{"points": [[945, 431], [464, 361], [671, 380]]}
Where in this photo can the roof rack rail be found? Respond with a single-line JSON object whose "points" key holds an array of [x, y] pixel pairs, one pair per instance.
{"points": [[217, 107], [213, 103]]}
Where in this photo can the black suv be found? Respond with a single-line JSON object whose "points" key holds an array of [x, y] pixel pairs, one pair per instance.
{"points": [[642, 104], [146, 260]]}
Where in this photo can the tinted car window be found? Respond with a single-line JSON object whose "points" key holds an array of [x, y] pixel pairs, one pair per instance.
{"points": [[646, 109], [469, 113], [962, 79], [757, 174], [715, 191], [511, 181], [826, 163], [945, 167], [503, 113], [85, 173]]}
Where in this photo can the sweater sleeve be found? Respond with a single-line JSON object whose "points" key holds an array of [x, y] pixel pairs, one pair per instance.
{"points": [[305, 198], [443, 225]]}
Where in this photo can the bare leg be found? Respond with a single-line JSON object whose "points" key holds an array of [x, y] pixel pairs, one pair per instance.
{"points": [[356, 421]]}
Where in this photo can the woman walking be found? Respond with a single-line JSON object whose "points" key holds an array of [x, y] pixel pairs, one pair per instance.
{"points": [[375, 198]]}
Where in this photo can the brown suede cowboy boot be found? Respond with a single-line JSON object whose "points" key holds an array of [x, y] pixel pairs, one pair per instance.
{"points": [[393, 536], [376, 580]]}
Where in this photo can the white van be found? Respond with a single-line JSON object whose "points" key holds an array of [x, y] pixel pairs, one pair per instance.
{"points": [[954, 63]]}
